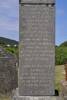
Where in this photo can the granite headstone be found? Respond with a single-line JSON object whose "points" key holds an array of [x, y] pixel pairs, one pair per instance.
{"points": [[37, 47]]}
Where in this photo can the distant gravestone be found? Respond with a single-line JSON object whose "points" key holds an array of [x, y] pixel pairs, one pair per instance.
{"points": [[37, 48], [8, 72]]}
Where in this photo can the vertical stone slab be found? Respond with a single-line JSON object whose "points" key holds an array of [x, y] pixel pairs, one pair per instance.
{"points": [[37, 54]]}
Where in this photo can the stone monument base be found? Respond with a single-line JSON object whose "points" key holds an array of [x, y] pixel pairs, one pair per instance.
{"points": [[17, 97], [32, 98]]}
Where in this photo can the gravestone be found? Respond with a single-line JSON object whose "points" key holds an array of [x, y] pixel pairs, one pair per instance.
{"points": [[37, 48], [8, 71]]}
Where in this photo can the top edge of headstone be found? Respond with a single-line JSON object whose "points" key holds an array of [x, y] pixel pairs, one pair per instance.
{"points": [[37, 1]]}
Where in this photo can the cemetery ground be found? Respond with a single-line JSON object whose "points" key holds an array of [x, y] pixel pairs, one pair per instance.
{"points": [[59, 75]]}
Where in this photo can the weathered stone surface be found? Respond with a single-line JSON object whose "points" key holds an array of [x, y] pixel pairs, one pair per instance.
{"points": [[37, 1], [33, 98], [8, 72], [17, 97], [37, 55]]}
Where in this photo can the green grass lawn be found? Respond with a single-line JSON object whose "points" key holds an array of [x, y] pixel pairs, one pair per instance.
{"points": [[59, 75]]}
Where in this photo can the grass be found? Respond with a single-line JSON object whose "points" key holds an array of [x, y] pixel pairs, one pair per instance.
{"points": [[59, 76]]}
